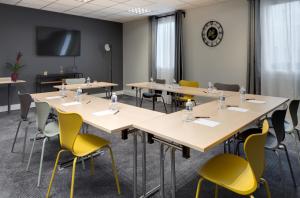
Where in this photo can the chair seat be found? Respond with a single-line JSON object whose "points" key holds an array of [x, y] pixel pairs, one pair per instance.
{"points": [[86, 144], [288, 127], [151, 95], [185, 98], [51, 129], [271, 141], [231, 172]]}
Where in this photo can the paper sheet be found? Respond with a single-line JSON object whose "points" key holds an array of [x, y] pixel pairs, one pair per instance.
{"points": [[53, 97], [70, 104], [206, 122], [105, 112], [237, 109], [256, 101]]}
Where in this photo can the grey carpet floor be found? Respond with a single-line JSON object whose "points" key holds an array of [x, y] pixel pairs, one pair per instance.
{"points": [[15, 182]]}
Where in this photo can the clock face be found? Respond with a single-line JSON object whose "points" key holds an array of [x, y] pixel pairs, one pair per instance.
{"points": [[212, 33]]}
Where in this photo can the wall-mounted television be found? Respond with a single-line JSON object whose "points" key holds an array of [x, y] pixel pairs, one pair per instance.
{"points": [[57, 42]]}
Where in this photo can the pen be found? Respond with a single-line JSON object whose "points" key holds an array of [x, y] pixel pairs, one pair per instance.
{"points": [[116, 112], [88, 102], [202, 117], [232, 106]]}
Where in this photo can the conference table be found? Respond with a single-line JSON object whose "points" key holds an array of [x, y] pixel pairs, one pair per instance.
{"points": [[175, 90], [93, 85], [7, 81], [211, 127]]}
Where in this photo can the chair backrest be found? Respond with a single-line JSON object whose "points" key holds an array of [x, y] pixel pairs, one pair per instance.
{"points": [[69, 127], [227, 87], [277, 119], [188, 83], [255, 151], [159, 81], [25, 102], [42, 114], [294, 105], [70, 81]]}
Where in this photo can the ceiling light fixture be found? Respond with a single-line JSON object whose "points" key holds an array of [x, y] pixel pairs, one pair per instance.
{"points": [[139, 11]]}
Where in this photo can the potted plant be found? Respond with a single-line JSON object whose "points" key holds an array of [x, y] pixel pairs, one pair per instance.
{"points": [[14, 68]]}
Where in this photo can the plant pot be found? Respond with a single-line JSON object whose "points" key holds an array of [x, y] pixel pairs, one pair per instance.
{"points": [[14, 76]]}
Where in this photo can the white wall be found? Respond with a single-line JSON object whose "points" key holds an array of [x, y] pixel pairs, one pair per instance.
{"points": [[225, 63], [136, 38], [228, 61]]}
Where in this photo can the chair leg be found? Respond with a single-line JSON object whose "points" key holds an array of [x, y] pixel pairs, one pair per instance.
{"points": [[73, 178], [225, 149], [83, 163], [92, 165], [153, 103], [31, 151], [237, 148], [297, 131], [53, 172], [164, 104], [216, 191], [41, 162], [114, 170], [290, 165], [24, 144], [266, 185], [141, 104], [15, 139], [199, 187]]}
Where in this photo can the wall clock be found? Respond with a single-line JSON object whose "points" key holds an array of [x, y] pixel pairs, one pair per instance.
{"points": [[212, 33]]}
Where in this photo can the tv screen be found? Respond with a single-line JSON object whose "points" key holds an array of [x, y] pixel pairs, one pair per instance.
{"points": [[57, 42]]}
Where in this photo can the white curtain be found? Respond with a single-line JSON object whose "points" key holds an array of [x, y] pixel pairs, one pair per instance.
{"points": [[280, 39], [165, 50]]}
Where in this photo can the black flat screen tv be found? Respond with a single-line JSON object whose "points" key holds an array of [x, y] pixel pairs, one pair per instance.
{"points": [[57, 42]]}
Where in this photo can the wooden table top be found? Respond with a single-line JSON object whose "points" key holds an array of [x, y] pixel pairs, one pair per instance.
{"points": [[200, 137], [92, 85], [7, 80], [127, 115], [195, 91]]}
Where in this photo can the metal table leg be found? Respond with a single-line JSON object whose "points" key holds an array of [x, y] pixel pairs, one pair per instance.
{"points": [[173, 173], [144, 168], [8, 98], [136, 96], [162, 171], [134, 165]]}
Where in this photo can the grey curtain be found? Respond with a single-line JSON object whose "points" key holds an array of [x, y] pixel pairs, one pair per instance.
{"points": [[153, 33], [179, 45], [254, 49]]}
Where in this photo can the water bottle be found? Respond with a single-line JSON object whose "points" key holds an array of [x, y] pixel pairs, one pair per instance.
{"points": [[210, 87], [114, 101], [243, 94], [222, 101], [151, 80], [189, 111], [174, 83], [63, 89], [88, 81], [78, 94]]}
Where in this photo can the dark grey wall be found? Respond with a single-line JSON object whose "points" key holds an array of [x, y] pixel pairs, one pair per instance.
{"points": [[17, 32]]}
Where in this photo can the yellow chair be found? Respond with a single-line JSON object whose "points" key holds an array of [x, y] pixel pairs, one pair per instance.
{"points": [[187, 83], [80, 145], [235, 173]]}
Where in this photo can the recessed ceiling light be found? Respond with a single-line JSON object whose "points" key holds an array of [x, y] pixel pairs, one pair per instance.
{"points": [[139, 11]]}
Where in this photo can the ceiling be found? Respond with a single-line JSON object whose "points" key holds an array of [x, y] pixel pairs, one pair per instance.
{"points": [[112, 10]]}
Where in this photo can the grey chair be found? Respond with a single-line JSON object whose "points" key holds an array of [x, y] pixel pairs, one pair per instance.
{"points": [[154, 95], [25, 102], [227, 87], [44, 131], [70, 81], [274, 142]]}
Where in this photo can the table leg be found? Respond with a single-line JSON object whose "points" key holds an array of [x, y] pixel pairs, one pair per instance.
{"points": [[173, 173], [134, 164], [111, 90], [144, 168], [136, 96], [8, 98], [162, 171]]}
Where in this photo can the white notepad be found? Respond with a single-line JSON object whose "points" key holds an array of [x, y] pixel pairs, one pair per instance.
{"points": [[206, 122], [256, 101], [237, 109], [105, 112], [53, 97], [70, 104]]}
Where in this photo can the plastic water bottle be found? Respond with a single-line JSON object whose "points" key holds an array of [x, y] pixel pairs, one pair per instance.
{"points": [[222, 101], [78, 94], [189, 111], [63, 89], [243, 94], [210, 87], [114, 102], [151, 80], [88, 81]]}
